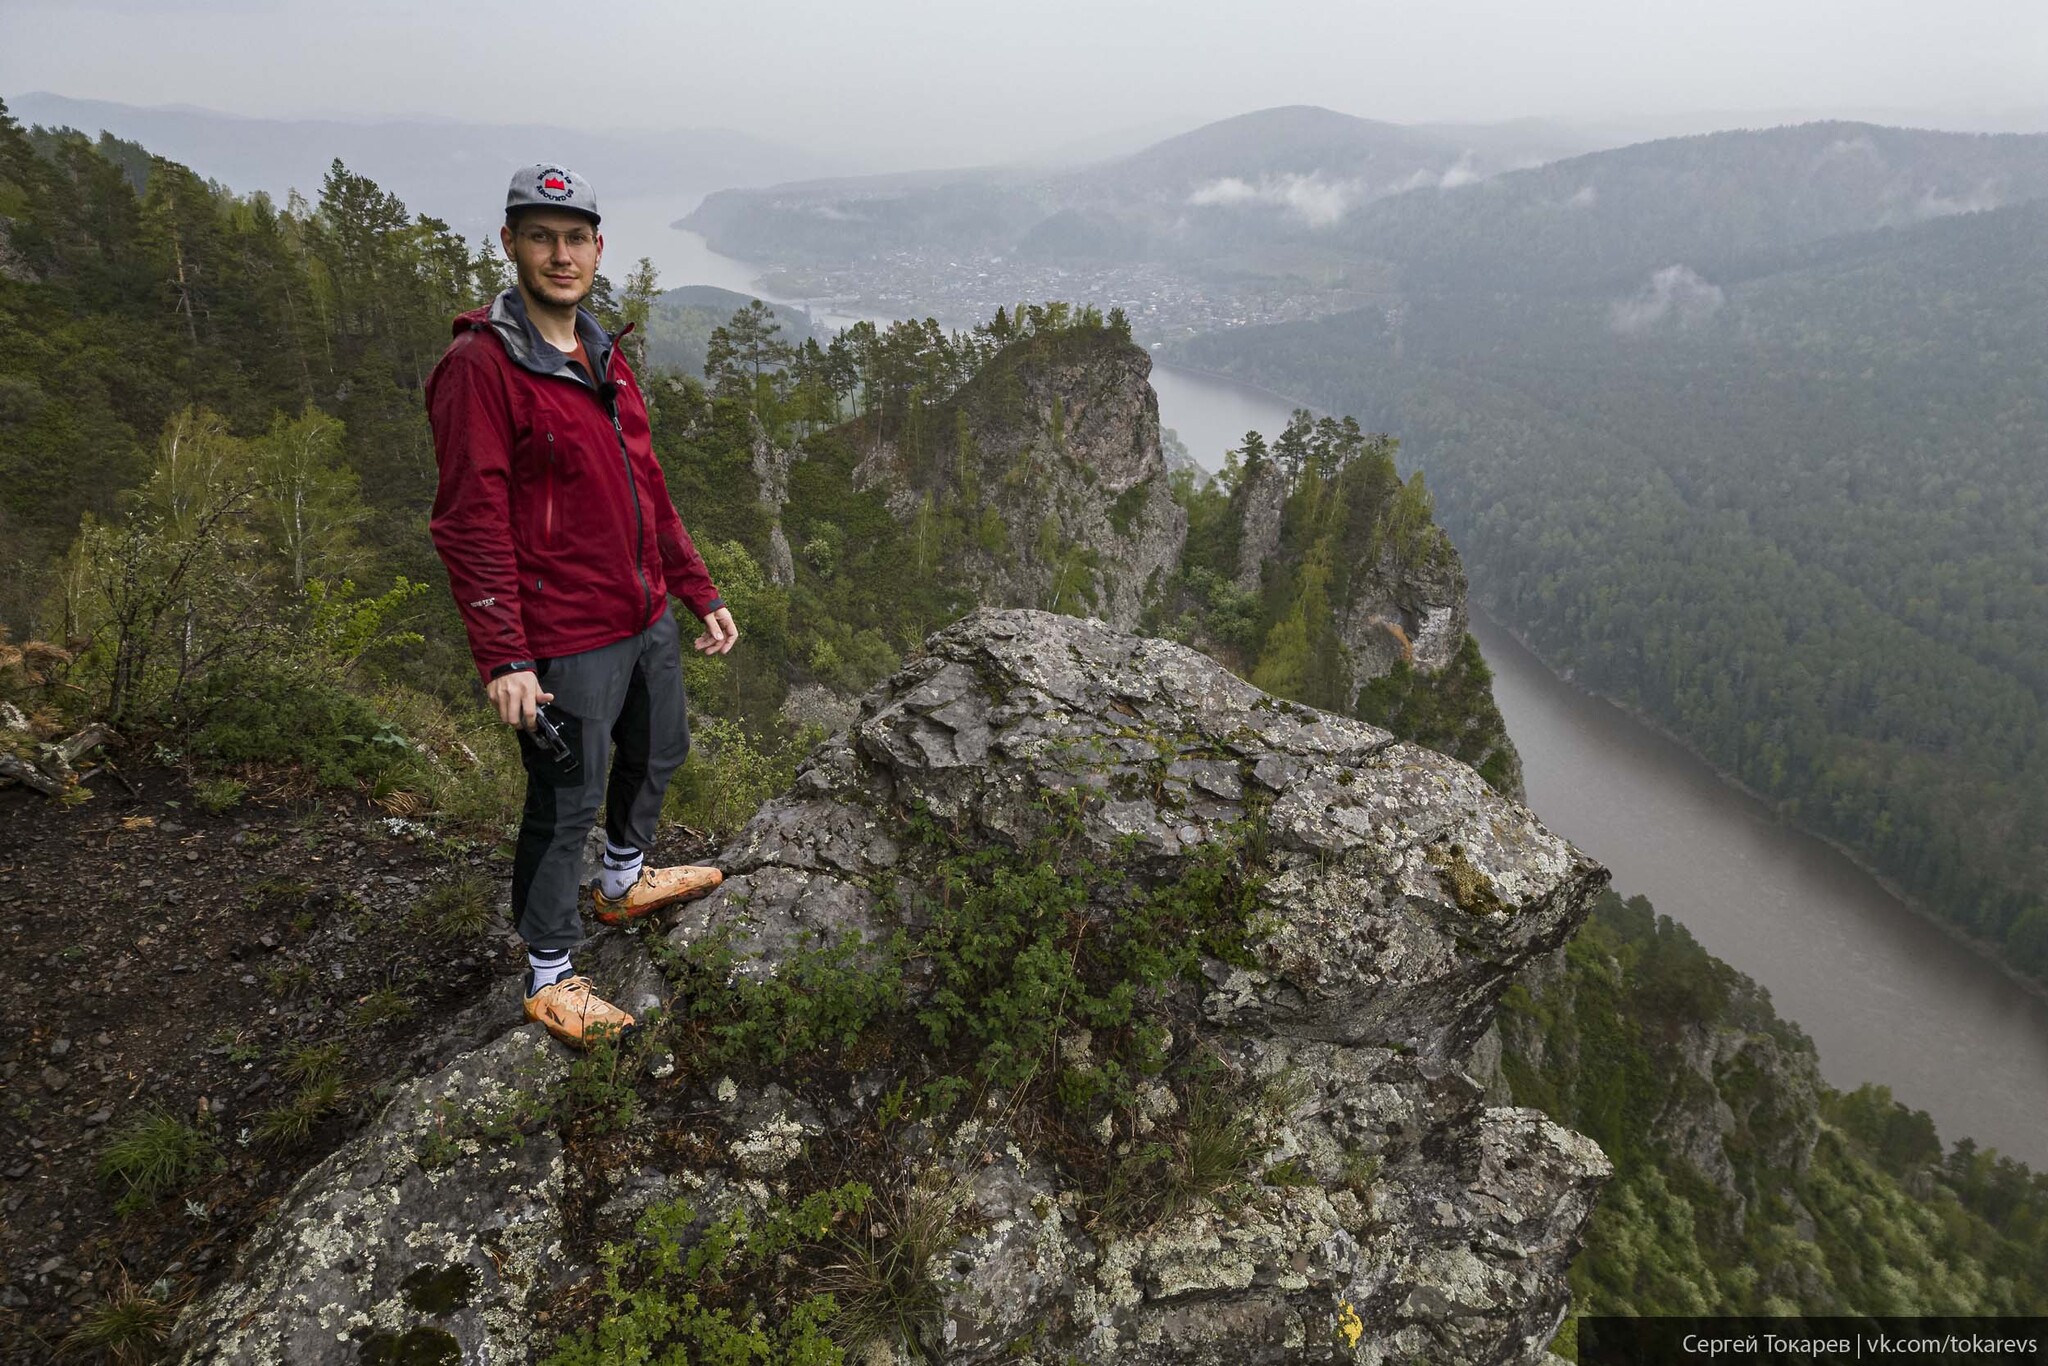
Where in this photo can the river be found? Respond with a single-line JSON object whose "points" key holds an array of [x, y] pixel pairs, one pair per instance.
{"points": [[1886, 995]]}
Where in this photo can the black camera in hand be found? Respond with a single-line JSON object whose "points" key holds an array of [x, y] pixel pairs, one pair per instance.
{"points": [[548, 738]]}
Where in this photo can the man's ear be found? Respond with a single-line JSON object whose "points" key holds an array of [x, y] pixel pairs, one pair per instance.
{"points": [[505, 240]]}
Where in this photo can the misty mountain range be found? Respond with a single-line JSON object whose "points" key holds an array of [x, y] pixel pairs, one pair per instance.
{"points": [[454, 170], [1308, 164], [1241, 183], [1311, 192]]}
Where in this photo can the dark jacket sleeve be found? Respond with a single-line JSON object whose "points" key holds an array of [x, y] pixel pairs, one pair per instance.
{"points": [[469, 407]]}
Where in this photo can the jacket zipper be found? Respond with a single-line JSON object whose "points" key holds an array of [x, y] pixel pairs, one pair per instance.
{"points": [[632, 486]]}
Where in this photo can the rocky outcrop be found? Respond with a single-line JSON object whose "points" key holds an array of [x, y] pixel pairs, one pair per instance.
{"points": [[1056, 444], [1393, 1216], [1046, 475], [1259, 508], [771, 480], [1415, 614], [1412, 612], [417, 1241], [1404, 893]]}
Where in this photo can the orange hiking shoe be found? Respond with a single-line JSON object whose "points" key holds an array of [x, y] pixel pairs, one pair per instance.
{"points": [[575, 1014], [657, 887]]}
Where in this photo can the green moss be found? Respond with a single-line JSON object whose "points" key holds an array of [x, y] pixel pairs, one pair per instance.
{"points": [[1471, 889], [439, 1290], [415, 1347]]}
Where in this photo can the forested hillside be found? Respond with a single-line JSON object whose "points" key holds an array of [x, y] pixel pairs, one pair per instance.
{"points": [[1790, 506], [681, 321], [1743, 1183], [135, 292]]}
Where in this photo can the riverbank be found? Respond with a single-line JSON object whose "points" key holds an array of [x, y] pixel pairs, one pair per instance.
{"points": [[1981, 948]]}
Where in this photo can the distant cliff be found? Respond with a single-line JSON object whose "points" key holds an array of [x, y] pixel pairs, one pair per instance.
{"points": [[1314, 570]]}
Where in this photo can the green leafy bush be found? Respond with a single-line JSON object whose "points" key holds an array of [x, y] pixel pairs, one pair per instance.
{"points": [[216, 796], [660, 1297], [255, 714]]}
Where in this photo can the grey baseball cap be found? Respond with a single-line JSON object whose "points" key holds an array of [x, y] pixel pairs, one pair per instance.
{"points": [[546, 186]]}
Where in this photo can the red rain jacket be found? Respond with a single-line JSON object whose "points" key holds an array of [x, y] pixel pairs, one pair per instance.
{"points": [[552, 514]]}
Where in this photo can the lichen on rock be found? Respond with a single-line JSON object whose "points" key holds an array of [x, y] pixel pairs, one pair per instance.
{"points": [[377, 1251]]}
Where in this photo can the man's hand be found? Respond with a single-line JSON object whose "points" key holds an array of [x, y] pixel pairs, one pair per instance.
{"points": [[719, 633], [515, 695]]}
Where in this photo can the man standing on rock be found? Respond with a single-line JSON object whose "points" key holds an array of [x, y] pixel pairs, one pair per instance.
{"points": [[562, 547]]}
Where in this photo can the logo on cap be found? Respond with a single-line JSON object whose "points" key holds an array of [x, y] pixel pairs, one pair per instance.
{"points": [[554, 184]]}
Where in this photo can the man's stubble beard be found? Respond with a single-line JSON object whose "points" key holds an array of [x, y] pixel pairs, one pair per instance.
{"points": [[543, 289]]}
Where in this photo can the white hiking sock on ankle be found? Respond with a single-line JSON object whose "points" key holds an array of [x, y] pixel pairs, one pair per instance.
{"points": [[619, 870], [546, 967]]}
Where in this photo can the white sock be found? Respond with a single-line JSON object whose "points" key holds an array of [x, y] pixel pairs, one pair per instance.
{"points": [[619, 870], [545, 967]]}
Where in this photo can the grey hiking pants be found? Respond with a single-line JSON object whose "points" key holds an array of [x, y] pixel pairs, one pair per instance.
{"points": [[627, 697]]}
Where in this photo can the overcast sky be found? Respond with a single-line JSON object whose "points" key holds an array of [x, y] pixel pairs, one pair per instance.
{"points": [[918, 82]]}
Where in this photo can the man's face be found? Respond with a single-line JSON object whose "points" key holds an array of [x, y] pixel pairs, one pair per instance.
{"points": [[555, 253]]}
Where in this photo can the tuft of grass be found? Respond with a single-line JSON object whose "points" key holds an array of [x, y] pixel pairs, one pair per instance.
{"points": [[288, 980], [293, 1122], [274, 893], [130, 1326], [311, 1062], [459, 907], [153, 1154], [218, 796], [385, 1005], [1360, 1171], [1213, 1153], [883, 1283]]}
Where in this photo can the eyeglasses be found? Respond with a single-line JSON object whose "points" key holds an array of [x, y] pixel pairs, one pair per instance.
{"points": [[575, 239]]}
